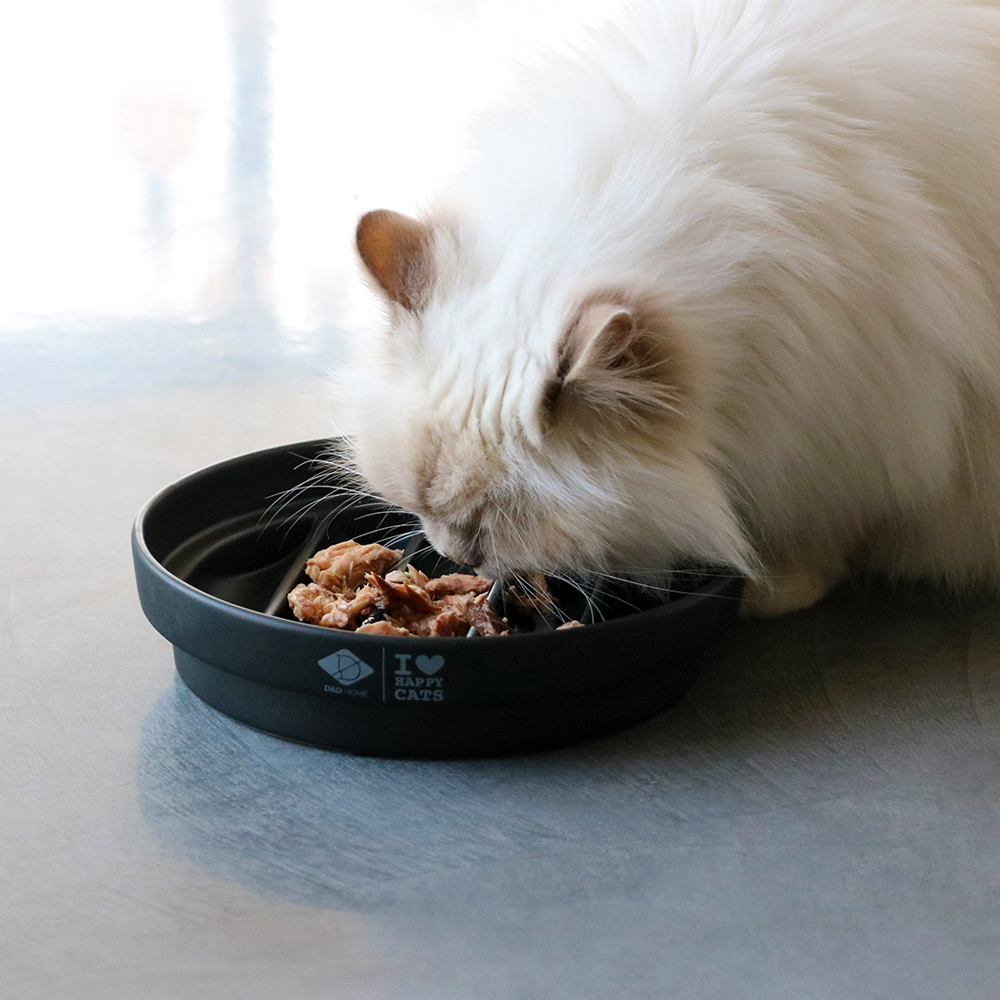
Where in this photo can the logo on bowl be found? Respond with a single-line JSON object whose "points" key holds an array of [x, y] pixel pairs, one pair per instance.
{"points": [[415, 678], [423, 685], [346, 669]]}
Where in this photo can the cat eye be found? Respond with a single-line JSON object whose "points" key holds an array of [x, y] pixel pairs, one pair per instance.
{"points": [[553, 387]]}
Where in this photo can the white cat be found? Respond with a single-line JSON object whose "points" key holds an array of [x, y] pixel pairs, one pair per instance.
{"points": [[725, 286]]}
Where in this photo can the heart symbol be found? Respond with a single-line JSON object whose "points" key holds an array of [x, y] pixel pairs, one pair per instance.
{"points": [[430, 664]]}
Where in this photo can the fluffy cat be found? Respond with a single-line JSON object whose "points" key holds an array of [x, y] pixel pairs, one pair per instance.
{"points": [[722, 285]]}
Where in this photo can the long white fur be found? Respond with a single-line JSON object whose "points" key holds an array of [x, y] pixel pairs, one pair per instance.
{"points": [[810, 193]]}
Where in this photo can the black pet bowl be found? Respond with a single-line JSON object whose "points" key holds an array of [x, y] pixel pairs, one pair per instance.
{"points": [[216, 553]]}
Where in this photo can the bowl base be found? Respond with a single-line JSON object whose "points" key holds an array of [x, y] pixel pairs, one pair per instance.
{"points": [[488, 731]]}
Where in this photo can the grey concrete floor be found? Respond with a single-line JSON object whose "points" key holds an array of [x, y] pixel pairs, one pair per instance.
{"points": [[817, 820]]}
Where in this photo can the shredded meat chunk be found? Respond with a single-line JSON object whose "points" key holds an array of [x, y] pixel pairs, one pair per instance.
{"points": [[344, 566], [457, 583], [352, 590], [312, 603], [382, 628]]}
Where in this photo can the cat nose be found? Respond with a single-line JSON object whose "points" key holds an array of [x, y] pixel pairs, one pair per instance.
{"points": [[457, 551], [464, 554], [460, 546]]}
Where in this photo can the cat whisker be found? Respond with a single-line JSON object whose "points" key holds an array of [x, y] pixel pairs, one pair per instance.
{"points": [[668, 589]]}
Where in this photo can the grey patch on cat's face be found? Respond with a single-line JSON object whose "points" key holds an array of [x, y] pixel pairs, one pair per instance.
{"points": [[459, 481], [469, 502], [444, 479], [508, 522]]}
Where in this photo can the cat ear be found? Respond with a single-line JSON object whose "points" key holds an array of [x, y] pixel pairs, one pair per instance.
{"points": [[397, 252], [615, 361]]}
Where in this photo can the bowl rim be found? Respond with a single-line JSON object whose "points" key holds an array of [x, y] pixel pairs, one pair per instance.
{"points": [[714, 589]]}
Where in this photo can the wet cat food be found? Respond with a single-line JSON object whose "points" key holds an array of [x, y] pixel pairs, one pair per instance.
{"points": [[355, 589]]}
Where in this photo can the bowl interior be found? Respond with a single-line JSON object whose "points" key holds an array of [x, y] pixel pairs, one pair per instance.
{"points": [[243, 535]]}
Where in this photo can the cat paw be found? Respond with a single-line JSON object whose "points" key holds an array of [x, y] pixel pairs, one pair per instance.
{"points": [[780, 592]]}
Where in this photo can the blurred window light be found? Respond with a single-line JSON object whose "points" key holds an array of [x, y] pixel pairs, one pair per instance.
{"points": [[196, 159]]}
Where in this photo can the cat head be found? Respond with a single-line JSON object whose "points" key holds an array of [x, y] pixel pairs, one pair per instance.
{"points": [[531, 424]]}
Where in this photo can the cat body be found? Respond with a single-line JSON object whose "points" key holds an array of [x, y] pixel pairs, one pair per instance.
{"points": [[723, 286]]}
